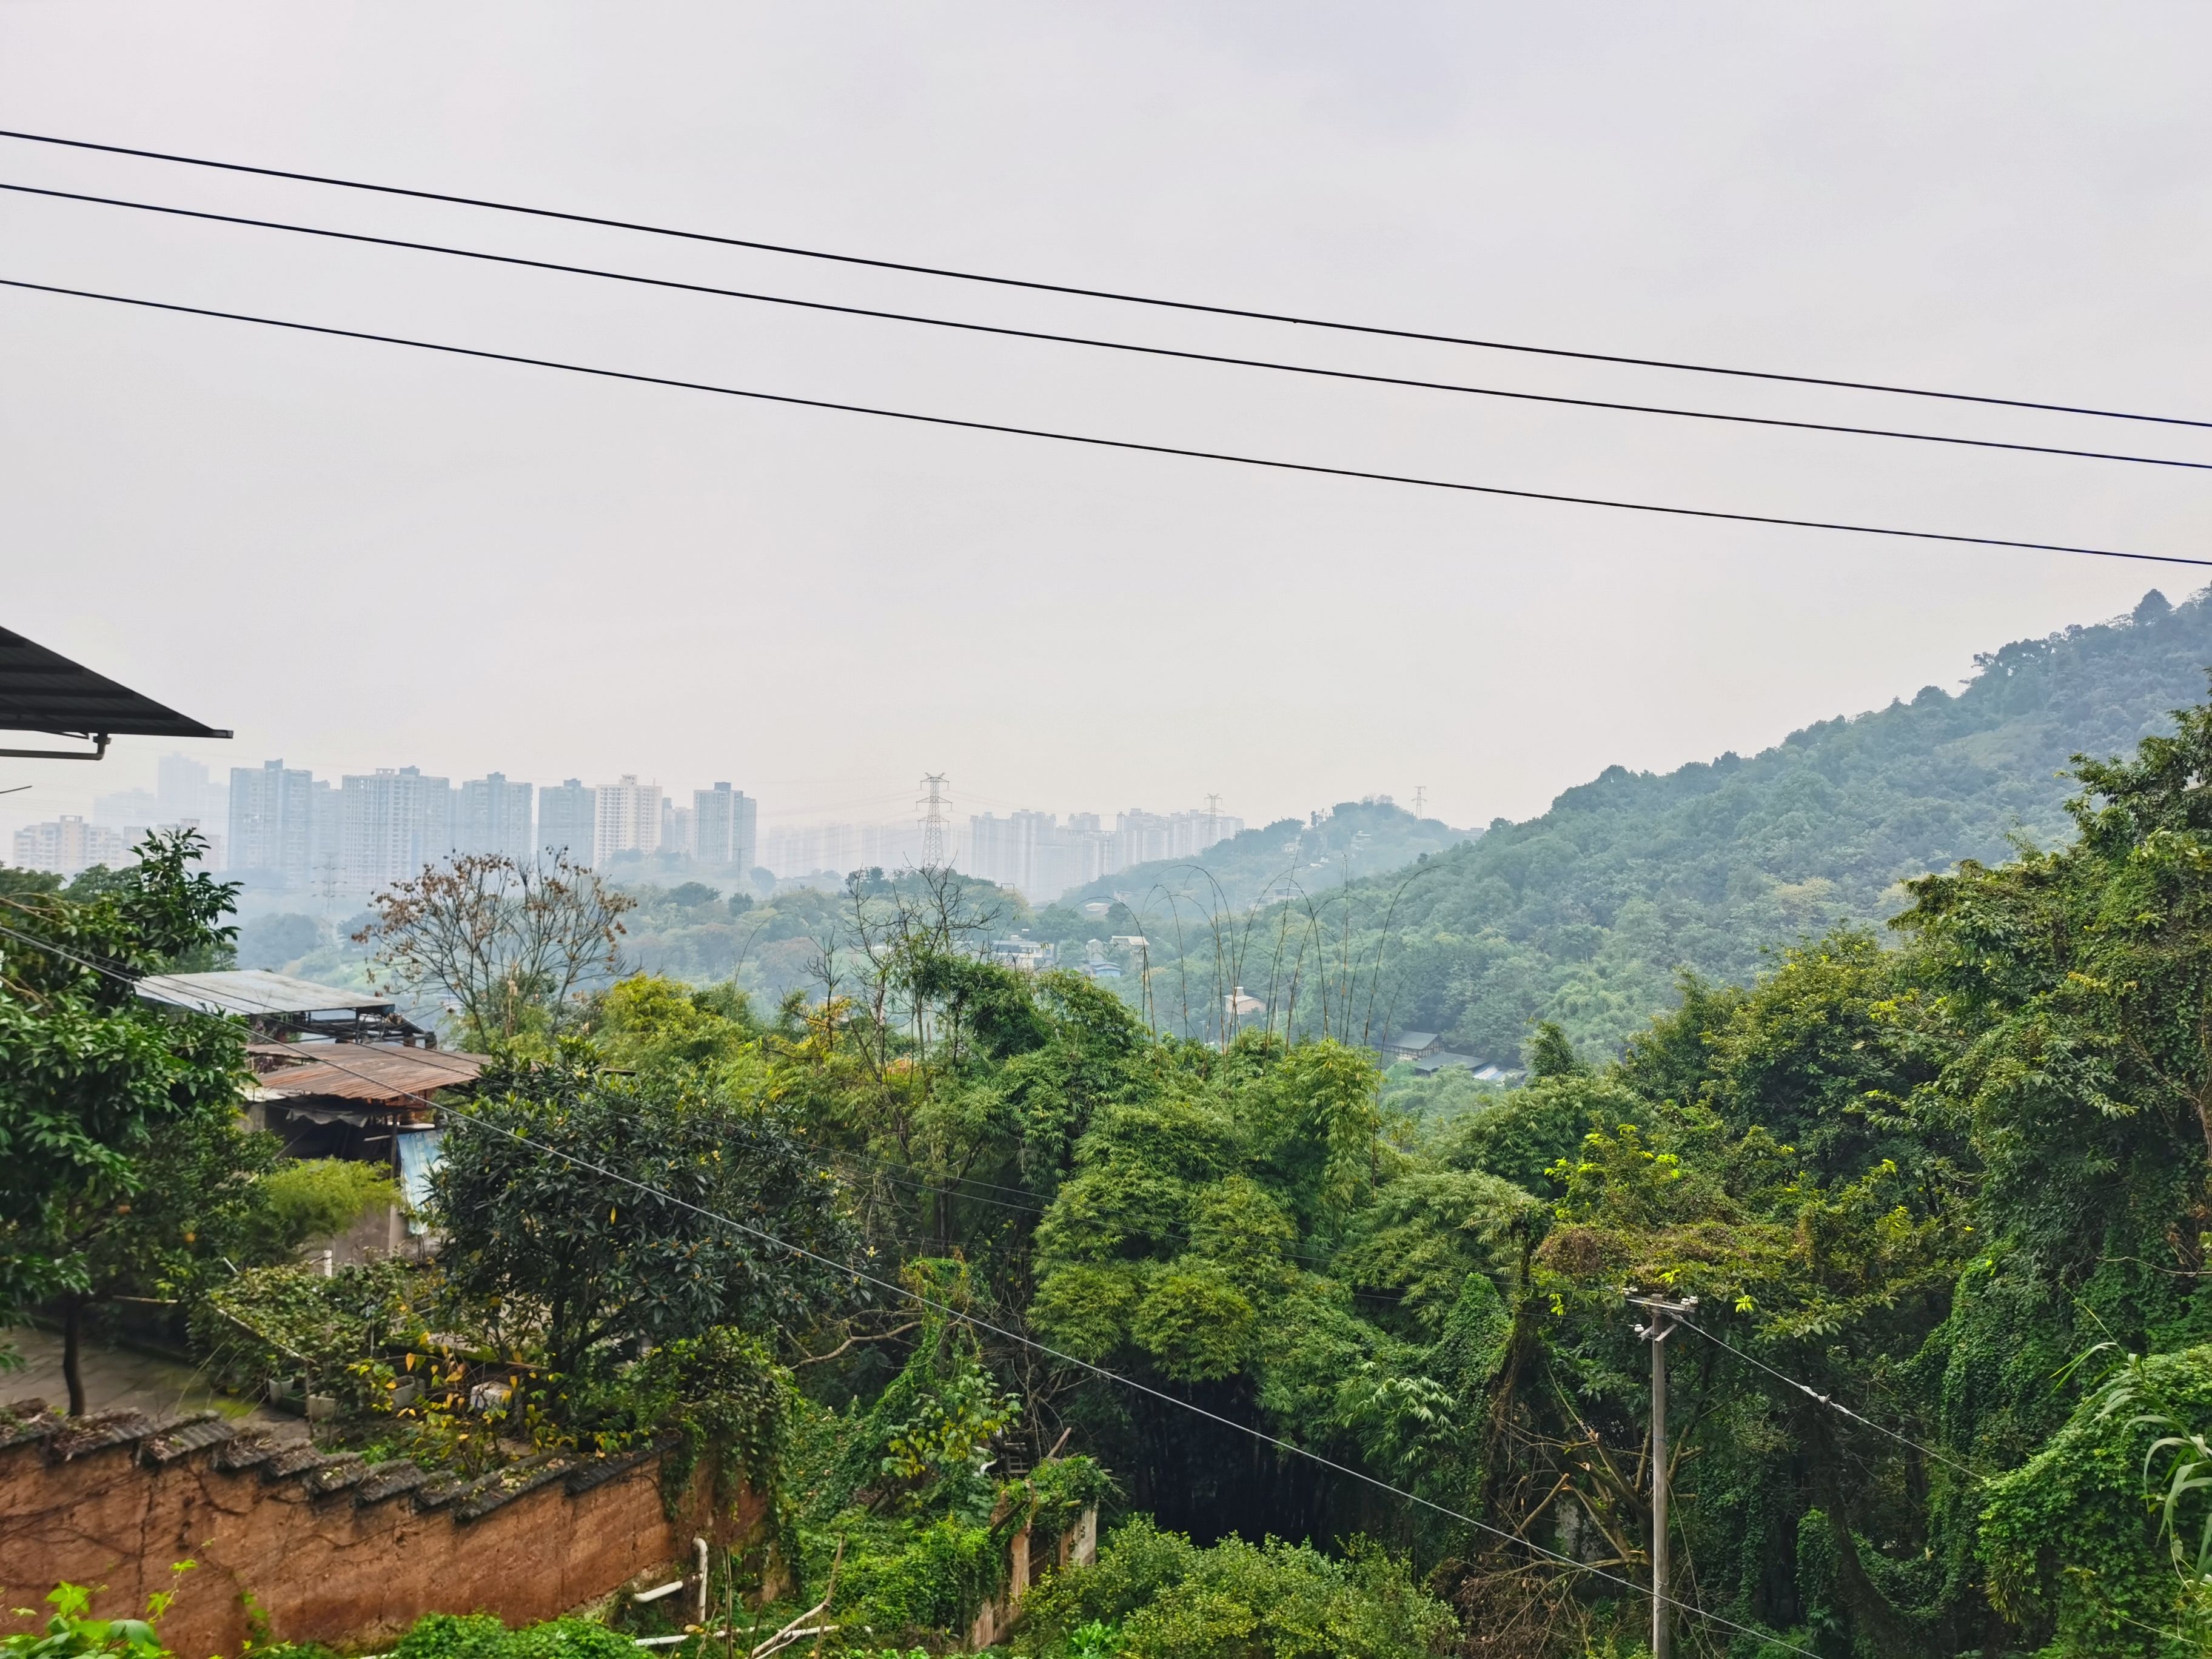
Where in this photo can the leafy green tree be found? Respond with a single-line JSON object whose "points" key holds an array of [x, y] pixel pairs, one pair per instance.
{"points": [[597, 1212], [104, 1102], [1551, 1053]]}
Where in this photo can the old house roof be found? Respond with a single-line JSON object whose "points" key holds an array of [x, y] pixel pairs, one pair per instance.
{"points": [[363, 1072]]}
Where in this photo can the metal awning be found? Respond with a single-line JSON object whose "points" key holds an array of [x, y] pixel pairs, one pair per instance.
{"points": [[255, 991], [42, 690], [278, 1005]]}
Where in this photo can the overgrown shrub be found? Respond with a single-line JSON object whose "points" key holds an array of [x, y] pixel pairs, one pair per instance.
{"points": [[1160, 1596], [286, 1322], [316, 1197], [2072, 1537], [480, 1635]]}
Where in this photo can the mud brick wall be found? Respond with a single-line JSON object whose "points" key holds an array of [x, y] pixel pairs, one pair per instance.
{"points": [[332, 1549]]}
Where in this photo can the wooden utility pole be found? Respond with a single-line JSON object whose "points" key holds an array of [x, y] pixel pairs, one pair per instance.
{"points": [[1663, 1316]]}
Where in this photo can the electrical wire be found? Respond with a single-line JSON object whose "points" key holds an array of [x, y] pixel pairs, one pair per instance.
{"points": [[1831, 1403], [1088, 440], [1271, 365], [1105, 1375], [862, 1275], [1117, 296]]}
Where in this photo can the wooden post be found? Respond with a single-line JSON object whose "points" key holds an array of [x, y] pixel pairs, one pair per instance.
{"points": [[1660, 1631], [1664, 1316], [1085, 1553]]}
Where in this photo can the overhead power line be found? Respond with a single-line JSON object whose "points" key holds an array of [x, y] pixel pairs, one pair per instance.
{"points": [[864, 1276], [1271, 365], [1835, 1405], [1118, 296], [1135, 446]]}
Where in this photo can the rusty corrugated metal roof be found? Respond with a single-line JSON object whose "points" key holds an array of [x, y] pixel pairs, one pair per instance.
{"points": [[362, 1071]]}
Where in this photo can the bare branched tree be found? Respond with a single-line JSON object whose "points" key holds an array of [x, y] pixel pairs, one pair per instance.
{"points": [[503, 939]]}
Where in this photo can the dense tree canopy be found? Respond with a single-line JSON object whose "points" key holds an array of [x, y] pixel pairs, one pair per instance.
{"points": [[1346, 1355], [117, 1144]]}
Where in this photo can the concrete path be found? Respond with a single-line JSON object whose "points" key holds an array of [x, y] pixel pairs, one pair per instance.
{"points": [[116, 1377]]}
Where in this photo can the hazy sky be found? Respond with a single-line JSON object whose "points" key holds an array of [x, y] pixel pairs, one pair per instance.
{"points": [[358, 556]]}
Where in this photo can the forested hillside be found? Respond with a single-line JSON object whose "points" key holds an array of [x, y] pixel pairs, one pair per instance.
{"points": [[1586, 915], [1352, 838]]}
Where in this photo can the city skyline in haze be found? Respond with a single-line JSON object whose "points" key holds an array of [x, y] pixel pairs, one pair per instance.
{"points": [[339, 549]]}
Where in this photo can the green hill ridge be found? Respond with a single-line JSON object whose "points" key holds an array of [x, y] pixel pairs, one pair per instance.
{"points": [[1587, 914]]}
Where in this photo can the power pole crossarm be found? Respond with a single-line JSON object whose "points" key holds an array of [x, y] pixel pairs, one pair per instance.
{"points": [[1662, 1315]]}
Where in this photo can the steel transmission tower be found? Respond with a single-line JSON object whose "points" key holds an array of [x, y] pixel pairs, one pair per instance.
{"points": [[936, 838]]}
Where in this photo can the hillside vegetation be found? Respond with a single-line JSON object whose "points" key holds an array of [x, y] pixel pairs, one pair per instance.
{"points": [[1586, 915], [1352, 838]]}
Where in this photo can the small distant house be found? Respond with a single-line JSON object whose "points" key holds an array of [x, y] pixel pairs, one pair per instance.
{"points": [[1483, 1071], [1412, 1045], [1024, 954], [358, 1101], [1443, 1060], [337, 1073]]}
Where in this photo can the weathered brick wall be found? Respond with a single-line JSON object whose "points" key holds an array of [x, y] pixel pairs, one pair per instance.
{"points": [[331, 1549]]}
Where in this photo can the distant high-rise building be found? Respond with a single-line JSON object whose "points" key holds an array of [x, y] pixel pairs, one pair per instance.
{"points": [[186, 791], [212, 853], [676, 825], [272, 828], [567, 819], [125, 806], [723, 822], [1042, 858], [1029, 852], [327, 838], [1146, 838], [627, 819], [390, 824], [840, 848], [494, 818], [67, 845]]}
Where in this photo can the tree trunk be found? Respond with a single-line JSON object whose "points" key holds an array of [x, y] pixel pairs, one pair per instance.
{"points": [[72, 1372], [1889, 1629]]}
